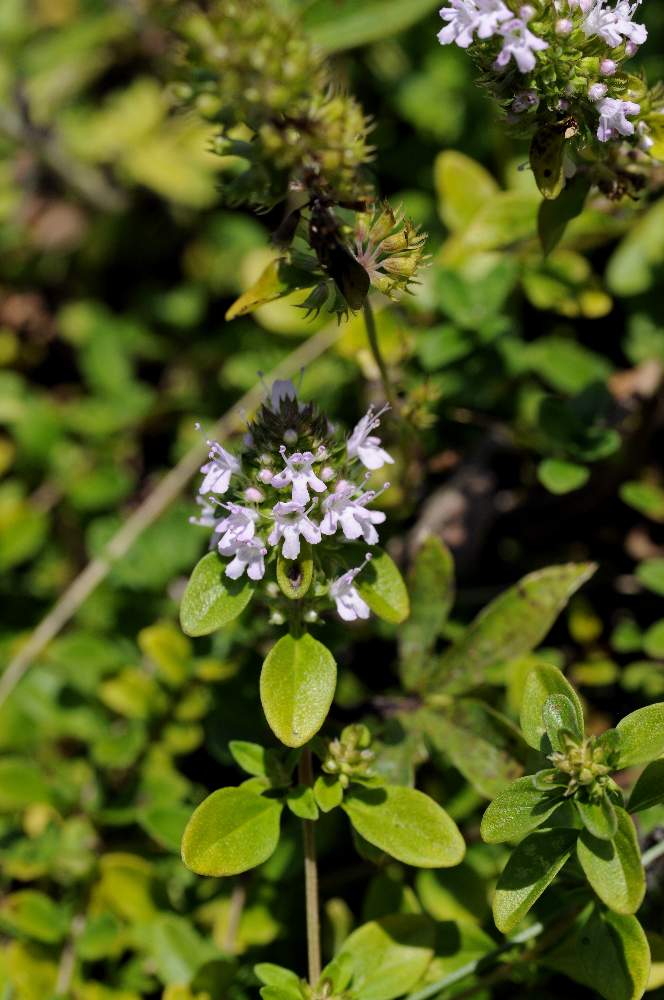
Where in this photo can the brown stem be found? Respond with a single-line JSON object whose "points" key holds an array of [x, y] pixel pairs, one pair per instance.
{"points": [[311, 877]]}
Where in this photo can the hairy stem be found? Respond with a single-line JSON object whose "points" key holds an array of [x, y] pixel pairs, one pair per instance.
{"points": [[654, 852], [372, 336], [311, 878], [238, 899]]}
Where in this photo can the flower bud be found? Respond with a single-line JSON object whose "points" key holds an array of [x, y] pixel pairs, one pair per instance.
{"points": [[597, 91], [564, 26], [253, 495], [608, 67]]}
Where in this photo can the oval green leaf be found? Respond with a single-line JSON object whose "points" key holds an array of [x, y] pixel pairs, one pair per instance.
{"points": [[649, 789], [382, 587], [298, 681], [389, 956], [560, 716], [406, 824], [211, 599], [511, 626], [518, 810], [530, 870], [641, 736], [232, 831], [542, 682], [613, 867]]}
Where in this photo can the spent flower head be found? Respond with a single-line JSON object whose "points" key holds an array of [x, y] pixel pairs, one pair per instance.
{"points": [[293, 511]]}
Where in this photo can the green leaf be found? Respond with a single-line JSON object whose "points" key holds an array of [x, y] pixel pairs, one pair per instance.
{"points": [[232, 831], [481, 743], [278, 279], [297, 686], [561, 477], [406, 824], [510, 626], [389, 956], [560, 716], [649, 789], [647, 498], [462, 186], [166, 824], [382, 587], [555, 214], [641, 736], [508, 218], [651, 574], [22, 784], [653, 641], [530, 870], [607, 952], [598, 817], [251, 757], [35, 915], [211, 599], [276, 975], [294, 576], [301, 802], [613, 867], [328, 792], [174, 948], [542, 681], [518, 810], [431, 588], [334, 27]]}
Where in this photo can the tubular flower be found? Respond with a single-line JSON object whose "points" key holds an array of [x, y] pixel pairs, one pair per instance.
{"points": [[271, 536]]}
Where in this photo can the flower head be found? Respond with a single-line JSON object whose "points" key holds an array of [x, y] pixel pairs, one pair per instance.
{"points": [[520, 44], [466, 18]]}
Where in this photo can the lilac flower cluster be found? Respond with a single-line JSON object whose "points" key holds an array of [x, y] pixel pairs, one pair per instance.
{"points": [[297, 487], [569, 54]]}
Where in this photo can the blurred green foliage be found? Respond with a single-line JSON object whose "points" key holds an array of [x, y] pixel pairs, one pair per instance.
{"points": [[533, 391]]}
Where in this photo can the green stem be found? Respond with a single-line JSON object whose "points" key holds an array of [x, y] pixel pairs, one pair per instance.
{"points": [[372, 337], [311, 878], [472, 967], [654, 852]]}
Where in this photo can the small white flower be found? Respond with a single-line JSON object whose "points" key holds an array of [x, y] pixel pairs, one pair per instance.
{"points": [[344, 509], [290, 521], [236, 529], [468, 17], [520, 44], [249, 557], [218, 470], [345, 594], [613, 118], [300, 474], [365, 446], [209, 514], [614, 25]]}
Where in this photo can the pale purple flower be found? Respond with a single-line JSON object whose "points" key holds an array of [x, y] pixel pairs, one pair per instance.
{"points": [[300, 475], [218, 471], [208, 516], [613, 25], [346, 509], [350, 606], [520, 44], [236, 529], [290, 521], [597, 91], [466, 18], [613, 118], [564, 26], [249, 557], [281, 389], [366, 446]]}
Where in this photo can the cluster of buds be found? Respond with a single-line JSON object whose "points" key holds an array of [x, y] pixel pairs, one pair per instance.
{"points": [[349, 757], [254, 75], [584, 764], [390, 249], [293, 509], [557, 68]]}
